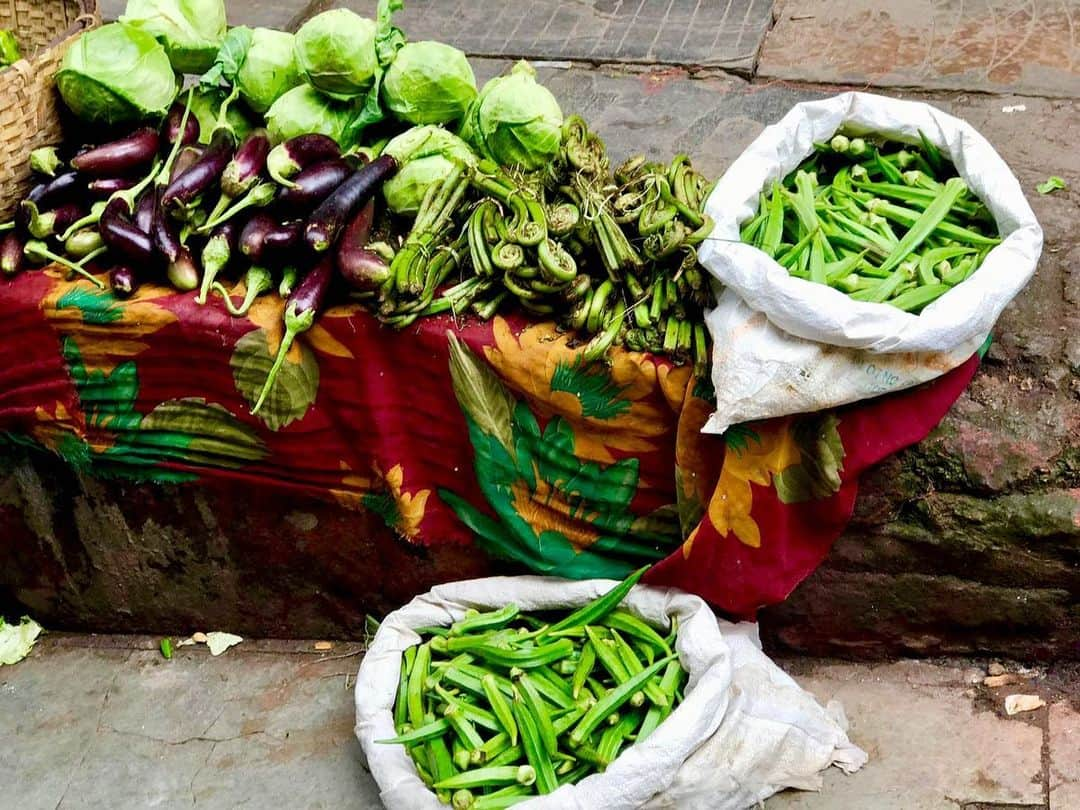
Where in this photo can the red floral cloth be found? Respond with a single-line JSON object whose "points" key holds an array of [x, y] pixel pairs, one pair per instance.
{"points": [[492, 434]]}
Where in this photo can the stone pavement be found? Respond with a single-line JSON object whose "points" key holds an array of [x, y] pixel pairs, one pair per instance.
{"points": [[106, 721]]}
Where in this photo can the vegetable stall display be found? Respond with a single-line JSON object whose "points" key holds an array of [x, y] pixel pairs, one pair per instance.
{"points": [[332, 153], [504, 705]]}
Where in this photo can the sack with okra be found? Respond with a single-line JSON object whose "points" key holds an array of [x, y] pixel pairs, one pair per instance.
{"points": [[866, 244], [725, 729]]}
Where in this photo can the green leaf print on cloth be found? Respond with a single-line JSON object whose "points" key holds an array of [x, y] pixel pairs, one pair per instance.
{"points": [[554, 512], [294, 390]]}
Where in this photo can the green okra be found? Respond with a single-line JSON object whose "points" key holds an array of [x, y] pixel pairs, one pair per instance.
{"points": [[501, 799], [599, 607], [947, 230], [535, 705], [584, 669], [634, 666], [486, 777], [914, 300], [669, 682], [607, 655], [555, 689], [423, 733], [483, 622], [465, 730], [415, 694], [614, 737], [926, 223], [500, 706], [400, 704], [562, 724], [774, 226], [614, 699], [535, 752], [508, 756], [493, 747]]}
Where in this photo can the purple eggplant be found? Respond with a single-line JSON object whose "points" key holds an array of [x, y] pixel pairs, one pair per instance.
{"points": [[165, 235], [123, 237], [253, 235], [183, 272], [123, 280], [287, 159], [301, 309], [328, 220], [208, 168], [246, 165], [82, 243], [42, 225], [11, 254], [105, 187], [281, 241], [63, 188], [187, 158], [172, 127], [361, 269], [126, 155], [313, 185], [216, 255], [145, 208]]}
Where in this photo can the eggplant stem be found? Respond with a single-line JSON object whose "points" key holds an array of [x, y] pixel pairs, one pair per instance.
{"points": [[174, 153]]}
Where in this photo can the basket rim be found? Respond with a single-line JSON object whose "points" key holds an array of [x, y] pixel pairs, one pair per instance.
{"points": [[88, 13]]}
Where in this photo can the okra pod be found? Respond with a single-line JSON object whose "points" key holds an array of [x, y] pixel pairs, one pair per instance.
{"points": [[599, 607], [614, 699], [535, 704], [500, 706], [535, 752], [422, 733], [486, 777], [492, 620]]}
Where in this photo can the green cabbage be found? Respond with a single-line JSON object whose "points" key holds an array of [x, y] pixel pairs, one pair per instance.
{"points": [[515, 120], [268, 70], [191, 30], [425, 156], [304, 109], [116, 74], [335, 51], [429, 83]]}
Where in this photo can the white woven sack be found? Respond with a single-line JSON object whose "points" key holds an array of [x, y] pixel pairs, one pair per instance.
{"points": [[744, 731], [785, 345]]}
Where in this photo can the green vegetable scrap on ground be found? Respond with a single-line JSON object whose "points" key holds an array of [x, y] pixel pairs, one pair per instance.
{"points": [[16, 640], [1052, 183], [502, 705], [880, 221]]}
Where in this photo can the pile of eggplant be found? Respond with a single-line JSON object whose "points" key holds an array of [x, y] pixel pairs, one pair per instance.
{"points": [[157, 206]]}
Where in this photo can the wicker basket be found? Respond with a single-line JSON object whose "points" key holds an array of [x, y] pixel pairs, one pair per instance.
{"points": [[28, 102]]}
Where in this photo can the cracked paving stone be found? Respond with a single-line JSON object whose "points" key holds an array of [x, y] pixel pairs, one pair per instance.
{"points": [[929, 748], [991, 46], [682, 32], [129, 730], [1064, 756]]}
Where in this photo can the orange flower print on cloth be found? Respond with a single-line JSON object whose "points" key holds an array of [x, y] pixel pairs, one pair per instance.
{"points": [[618, 407], [800, 457], [400, 509]]}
